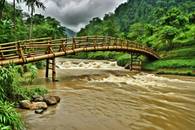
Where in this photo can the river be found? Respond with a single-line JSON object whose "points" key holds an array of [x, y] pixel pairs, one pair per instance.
{"points": [[99, 95]]}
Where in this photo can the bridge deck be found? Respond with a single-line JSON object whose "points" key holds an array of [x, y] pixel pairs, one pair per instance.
{"points": [[26, 51]]}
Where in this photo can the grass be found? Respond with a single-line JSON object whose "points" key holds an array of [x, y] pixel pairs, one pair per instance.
{"points": [[171, 63], [180, 71]]}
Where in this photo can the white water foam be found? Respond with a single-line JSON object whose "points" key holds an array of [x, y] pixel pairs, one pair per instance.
{"points": [[142, 79], [89, 64]]}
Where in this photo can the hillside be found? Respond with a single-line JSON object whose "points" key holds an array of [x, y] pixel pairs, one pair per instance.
{"points": [[165, 25]]}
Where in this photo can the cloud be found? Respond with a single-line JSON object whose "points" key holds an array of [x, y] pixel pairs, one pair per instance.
{"points": [[75, 14]]}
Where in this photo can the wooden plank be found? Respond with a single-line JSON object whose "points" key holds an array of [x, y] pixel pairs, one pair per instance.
{"points": [[10, 50], [7, 47]]}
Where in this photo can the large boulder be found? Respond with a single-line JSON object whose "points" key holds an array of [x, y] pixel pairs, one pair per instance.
{"points": [[38, 105], [57, 98], [51, 100], [25, 104]]}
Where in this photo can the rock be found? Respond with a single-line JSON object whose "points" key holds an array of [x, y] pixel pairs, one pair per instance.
{"points": [[57, 98], [39, 111], [37, 98], [38, 105], [25, 104], [51, 100]]}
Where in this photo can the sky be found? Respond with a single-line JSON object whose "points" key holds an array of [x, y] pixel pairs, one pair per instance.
{"points": [[75, 14]]}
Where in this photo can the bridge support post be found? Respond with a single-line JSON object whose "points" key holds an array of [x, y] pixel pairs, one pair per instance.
{"points": [[135, 62], [47, 68], [52, 67], [53, 70], [131, 62]]}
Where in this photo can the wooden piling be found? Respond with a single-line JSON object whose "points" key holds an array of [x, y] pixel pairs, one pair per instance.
{"points": [[47, 68], [53, 68]]}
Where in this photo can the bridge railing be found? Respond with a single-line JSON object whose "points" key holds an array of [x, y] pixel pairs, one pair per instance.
{"points": [[42, 46]]}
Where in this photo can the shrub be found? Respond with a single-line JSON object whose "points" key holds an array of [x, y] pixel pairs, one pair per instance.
{"points": [[9, 118], [40, 64], [8, 82], [27, 93], [123, 60]]}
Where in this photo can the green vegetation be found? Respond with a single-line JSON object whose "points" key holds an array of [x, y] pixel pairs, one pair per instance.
{"points": [[12, 91], [171, 63], [22, 26], [9, 118], [167, 26]]}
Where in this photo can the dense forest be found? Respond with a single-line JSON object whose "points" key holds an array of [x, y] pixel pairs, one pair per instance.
{"points": [[18, 25], [168, 26]]}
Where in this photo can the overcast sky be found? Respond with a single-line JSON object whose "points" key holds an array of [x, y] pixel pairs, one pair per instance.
{"points": [[75, 14]]}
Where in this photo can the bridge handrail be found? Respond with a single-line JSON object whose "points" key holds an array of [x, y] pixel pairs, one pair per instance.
{"points": [[26, 48]]}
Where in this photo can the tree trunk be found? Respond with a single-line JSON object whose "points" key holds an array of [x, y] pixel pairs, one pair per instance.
{"points": [[31, 23], [14, 14], [2, 4], [14, 19]]}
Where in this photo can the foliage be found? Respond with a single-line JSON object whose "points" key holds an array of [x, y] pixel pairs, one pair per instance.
{"points": [[8, 82], [171, 63], [159, 24], [123, 60], [42, 26], [27, 93], [33, 72], [165, 25], [10, 90], [40, 64], [9, 118]]}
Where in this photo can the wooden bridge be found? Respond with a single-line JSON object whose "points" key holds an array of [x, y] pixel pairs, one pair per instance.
{"points": [[26, 51]]}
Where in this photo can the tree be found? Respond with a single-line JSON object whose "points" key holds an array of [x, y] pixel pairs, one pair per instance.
{"points": [[2, 4], [14, 13], [32, 4]]}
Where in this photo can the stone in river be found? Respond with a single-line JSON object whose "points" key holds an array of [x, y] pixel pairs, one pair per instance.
{"points": [[37, 98], [51, 100], [25, 104], [39, 111], [38, 105], [57, 98]]}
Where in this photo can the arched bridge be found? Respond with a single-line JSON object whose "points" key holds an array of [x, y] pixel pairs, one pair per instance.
{"points": [[22, 52]]}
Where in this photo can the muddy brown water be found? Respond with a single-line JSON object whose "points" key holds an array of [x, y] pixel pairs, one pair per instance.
{"points": [[98, 95]]}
